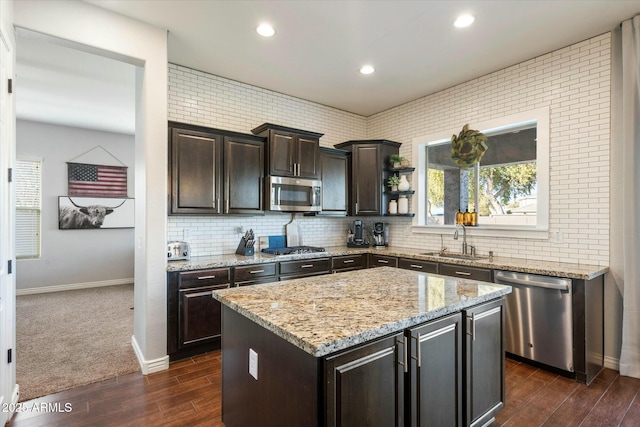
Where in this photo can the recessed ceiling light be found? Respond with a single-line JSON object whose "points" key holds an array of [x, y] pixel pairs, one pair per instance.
{"points": [[265, 30], [367, 69], [464, 21]]}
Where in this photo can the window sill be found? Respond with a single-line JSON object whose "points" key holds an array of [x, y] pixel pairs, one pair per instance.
{"points": [[486, 231]]}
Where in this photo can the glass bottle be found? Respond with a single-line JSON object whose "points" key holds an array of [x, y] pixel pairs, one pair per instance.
{"points": [[459, 217], [466, 217], [474, 218]]}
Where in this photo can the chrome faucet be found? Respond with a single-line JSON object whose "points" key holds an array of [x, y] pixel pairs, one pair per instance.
{"points": [[464, 237]]}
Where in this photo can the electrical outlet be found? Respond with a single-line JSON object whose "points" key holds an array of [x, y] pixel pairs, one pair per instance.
{"points": [[253, 363], [239, 229], [186, 233], [556, 236]]}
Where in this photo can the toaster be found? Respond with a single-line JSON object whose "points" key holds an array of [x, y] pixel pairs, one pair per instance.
{"points": [[177, 250]]}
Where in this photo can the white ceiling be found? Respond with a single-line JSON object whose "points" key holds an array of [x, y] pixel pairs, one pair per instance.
{"points": [[319, 46]]}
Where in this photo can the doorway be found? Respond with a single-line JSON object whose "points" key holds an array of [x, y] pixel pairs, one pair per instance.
{"points": [[70, 104]]}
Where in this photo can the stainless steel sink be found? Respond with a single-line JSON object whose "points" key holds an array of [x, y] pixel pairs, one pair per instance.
{"points": [[454, 256]]}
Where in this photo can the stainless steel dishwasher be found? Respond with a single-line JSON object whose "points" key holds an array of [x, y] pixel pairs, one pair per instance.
{"points": [[538, 315]]}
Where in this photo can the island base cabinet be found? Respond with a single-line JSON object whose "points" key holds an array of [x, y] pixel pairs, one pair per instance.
{"points": [[365, 385], [483, 367], [287, 384], [436, 373]]}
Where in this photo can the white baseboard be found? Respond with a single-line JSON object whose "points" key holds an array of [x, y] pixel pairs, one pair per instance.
{"points": [[149, 366], [73, 286], [612, 363], [9, 408]]}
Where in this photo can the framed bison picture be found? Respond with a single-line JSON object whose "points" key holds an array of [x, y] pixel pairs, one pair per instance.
{"points": [[85, 213]]}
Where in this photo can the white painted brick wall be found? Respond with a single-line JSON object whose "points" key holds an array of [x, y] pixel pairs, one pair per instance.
{"points": [[574, 82], [208, 100]]}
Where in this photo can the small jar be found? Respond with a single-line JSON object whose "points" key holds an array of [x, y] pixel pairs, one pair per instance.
{"points": [[393, 207], [403, 205]]}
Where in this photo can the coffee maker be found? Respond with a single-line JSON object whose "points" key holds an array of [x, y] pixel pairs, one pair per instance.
{"points": [[357, 240], [380, 235]]}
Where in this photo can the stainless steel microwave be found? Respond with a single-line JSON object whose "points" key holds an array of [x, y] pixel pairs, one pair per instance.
{"points": [[294, 194]]}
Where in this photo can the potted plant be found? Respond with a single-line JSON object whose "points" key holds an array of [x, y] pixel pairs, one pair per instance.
{"points": [[396, 160], [393, 182]]}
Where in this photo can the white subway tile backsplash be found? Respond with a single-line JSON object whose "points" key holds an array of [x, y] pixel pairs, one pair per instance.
{"points": [[574, 82]]}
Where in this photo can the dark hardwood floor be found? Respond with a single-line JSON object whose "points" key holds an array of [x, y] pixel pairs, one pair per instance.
{"points": [[188, 394]]}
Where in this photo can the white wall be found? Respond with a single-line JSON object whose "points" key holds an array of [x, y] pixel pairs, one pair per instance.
{"points": [[73, 256], [574, 82]]}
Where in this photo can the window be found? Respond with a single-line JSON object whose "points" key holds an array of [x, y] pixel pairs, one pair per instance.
{"points": [[508, 188], [28, 178]]}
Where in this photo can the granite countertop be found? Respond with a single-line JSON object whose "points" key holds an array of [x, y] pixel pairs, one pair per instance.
{"points": [[548, 268], [325, 314]]}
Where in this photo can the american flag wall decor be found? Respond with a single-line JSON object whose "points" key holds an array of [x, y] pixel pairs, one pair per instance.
{"points": [[97, 180]]}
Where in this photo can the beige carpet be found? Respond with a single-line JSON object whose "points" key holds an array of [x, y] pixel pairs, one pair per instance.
{"points": [[72, 338]]}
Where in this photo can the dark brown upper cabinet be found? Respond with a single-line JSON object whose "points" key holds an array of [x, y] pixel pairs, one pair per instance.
{"points": [[243, 175], [334, 174], [292, 152], [368, 161], [213, 171]]}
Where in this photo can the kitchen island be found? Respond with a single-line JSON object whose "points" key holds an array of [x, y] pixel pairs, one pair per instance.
{"points": [[385, 347]]}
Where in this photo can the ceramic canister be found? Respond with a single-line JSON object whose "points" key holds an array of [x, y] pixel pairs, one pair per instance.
{"points": [[393, 207], [403, 205]]}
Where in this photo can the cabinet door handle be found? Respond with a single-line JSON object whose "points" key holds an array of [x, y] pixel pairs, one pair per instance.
{"points": [[463, 273], [418, 350], [405, 358], [206, 277], [256, 271], [416, 266], [473, 327], [357, 208], [227, 206], [348, 261], [383, 261], [306, 266]]}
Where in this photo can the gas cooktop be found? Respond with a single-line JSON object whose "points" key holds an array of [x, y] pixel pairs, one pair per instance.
{"points": [[293, 250]]}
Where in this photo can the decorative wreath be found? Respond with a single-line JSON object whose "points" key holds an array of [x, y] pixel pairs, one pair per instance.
{"points": [[468, 147]]}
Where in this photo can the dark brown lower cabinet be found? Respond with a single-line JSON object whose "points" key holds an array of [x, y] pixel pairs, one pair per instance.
{"points": [[193, 315], [483, 368], [304, 268], [436, 373], [344, 263], [465, 272], [376, 260], [365, 385], [418, 265], [199, 315]]}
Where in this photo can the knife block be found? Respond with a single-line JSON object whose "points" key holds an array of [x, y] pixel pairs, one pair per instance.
{"points": [[243, 249]]}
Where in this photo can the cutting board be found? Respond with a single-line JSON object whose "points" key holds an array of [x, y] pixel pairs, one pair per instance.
{"points": [[293, 232]]}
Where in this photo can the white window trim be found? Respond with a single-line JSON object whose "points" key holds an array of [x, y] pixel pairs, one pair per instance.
{"points": [[419, 180], [41, 161]]}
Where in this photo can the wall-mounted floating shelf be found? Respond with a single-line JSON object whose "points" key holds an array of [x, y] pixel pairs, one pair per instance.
{"points": [[401, 170]]}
